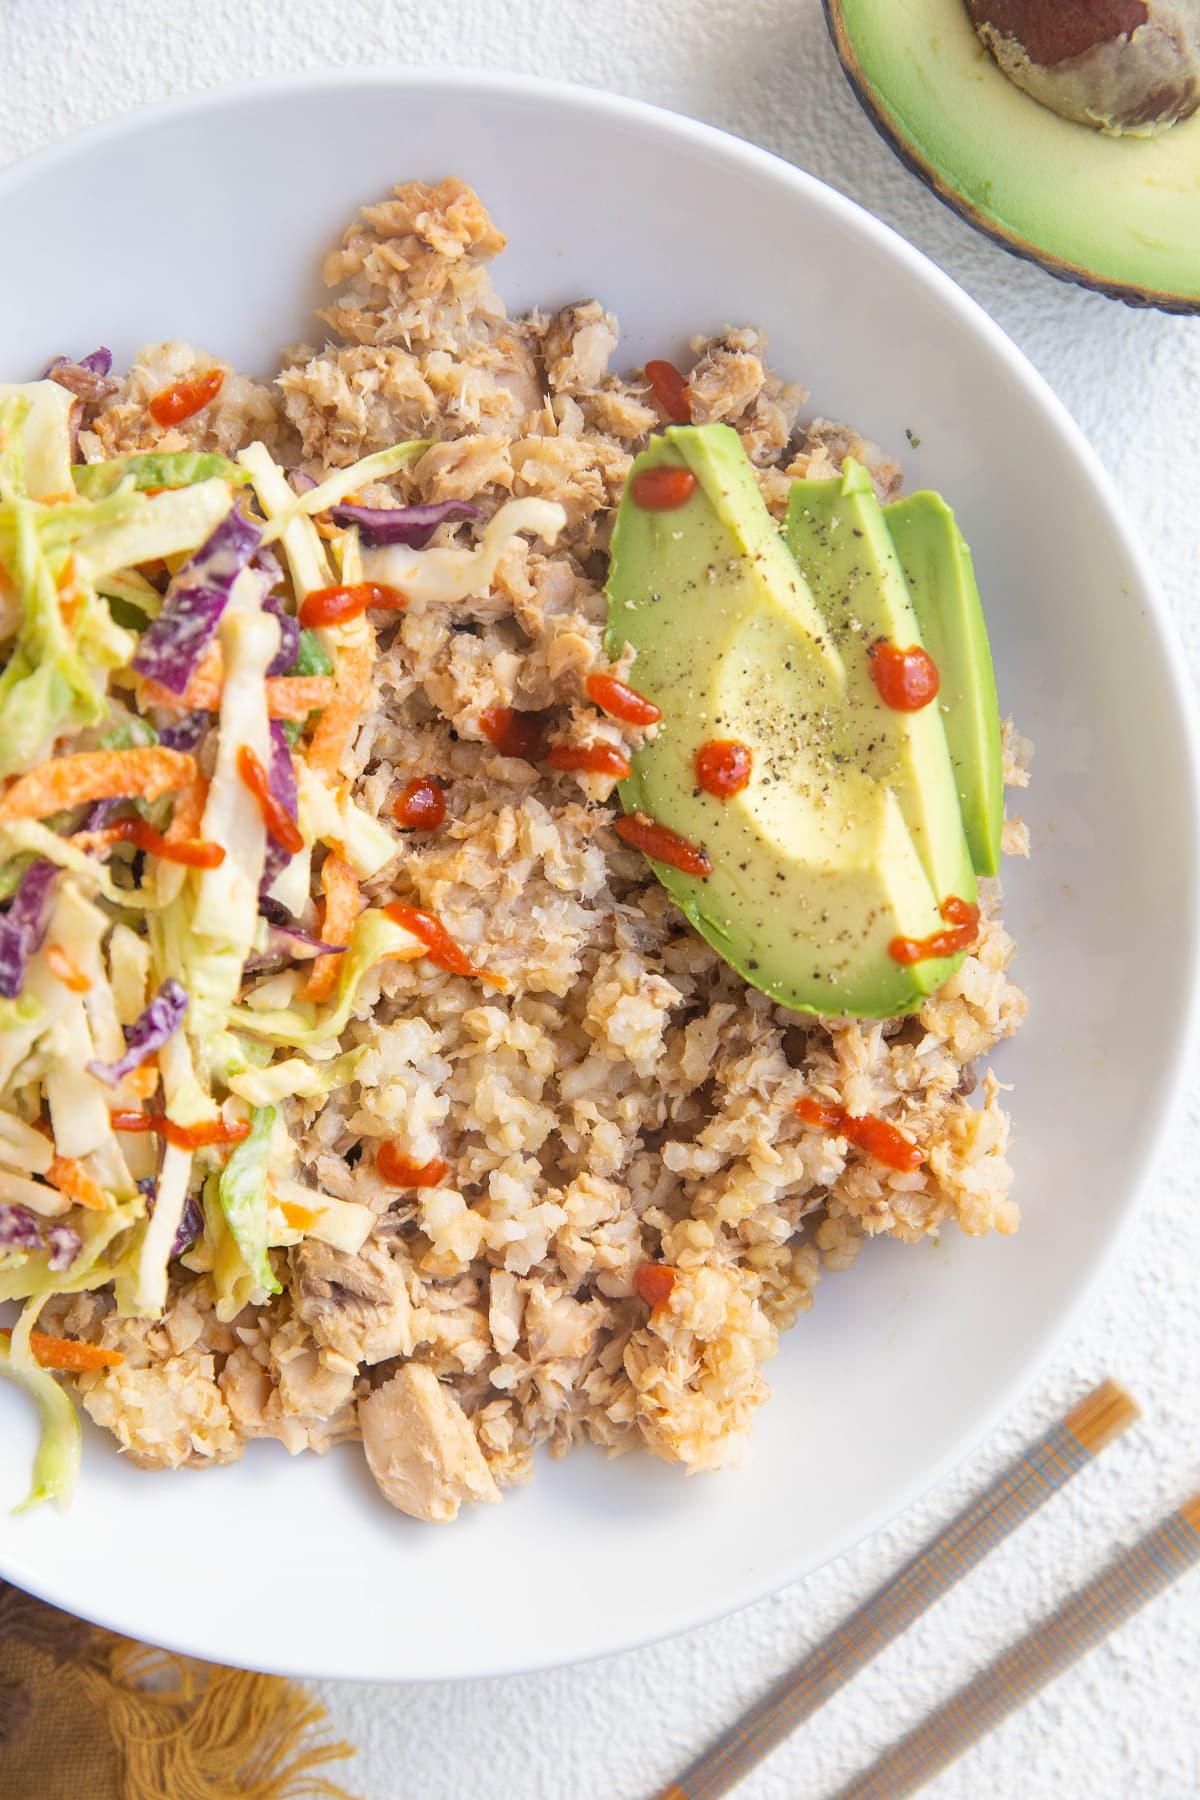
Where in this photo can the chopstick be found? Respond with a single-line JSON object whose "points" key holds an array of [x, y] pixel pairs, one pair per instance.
{"points": [[1047, 1465], [1082, 1622]]}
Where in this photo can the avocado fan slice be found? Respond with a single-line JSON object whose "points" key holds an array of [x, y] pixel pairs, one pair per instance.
{"points": [[816, 864], [945, 597]]}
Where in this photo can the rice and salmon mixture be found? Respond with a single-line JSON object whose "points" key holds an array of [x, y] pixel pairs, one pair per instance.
{"points": [[618, 1100]]}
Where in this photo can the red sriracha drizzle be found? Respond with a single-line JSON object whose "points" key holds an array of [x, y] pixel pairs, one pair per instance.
{"points": [[670, 390], [400, 1171], [963, 921], [879, 1139], [662, 489], [275, 816], [514, 733], [663, 844], [907, 680], [421, 806], [184, 1137], [172, 405], [333, 605], [589, 759], [193, 853], [653, 1282], [440, 947], [620, 701], [723, 767]]}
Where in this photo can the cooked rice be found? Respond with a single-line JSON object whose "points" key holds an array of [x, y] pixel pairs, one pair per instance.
{"points": [[627, 1096]]}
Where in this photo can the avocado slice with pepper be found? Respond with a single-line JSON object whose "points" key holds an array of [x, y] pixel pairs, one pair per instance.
{"points": [[816, 868], [838, 533], [945, 597], [1110, 208]]}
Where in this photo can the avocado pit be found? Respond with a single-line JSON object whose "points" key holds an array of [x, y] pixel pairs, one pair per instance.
{"points": [[1121, 66]]}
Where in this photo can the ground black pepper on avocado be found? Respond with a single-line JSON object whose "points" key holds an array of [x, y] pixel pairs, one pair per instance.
{"points": [[850, 817]]}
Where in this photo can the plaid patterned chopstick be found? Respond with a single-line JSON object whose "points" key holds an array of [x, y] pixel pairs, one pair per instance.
{"points": [[1081, 1623], [1013, 1497]]}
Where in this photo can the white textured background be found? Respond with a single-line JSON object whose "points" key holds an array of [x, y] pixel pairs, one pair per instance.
{"points": [[1126, 1723]]}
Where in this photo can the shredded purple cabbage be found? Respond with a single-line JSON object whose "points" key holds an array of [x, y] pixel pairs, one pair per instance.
{"points": [[96, 362], [410, 525], [191, 1219], [289, 937], [303, 484], [64, 1244], [283, 786], [97, 816], [87, 379], [190, 1227], [18, 1229], [186, 733], [148, 1033], [289, 635], [23, 926], [174, 642]]}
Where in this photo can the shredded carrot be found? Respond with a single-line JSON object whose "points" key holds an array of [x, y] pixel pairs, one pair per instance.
{"points": [[298, 1217], [335, 727], [70, 1354], [203, 691], [189, 811], [69, 596], [295, 696], [64, 970], [339, 911], [148, 771], [143, 1083], [288, 696], [72, 1179]]}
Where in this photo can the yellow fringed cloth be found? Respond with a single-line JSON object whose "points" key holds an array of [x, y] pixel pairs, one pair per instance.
{"points": [[87, 1715]]}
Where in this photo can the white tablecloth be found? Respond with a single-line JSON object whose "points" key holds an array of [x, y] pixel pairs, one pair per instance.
{"points": [[1126, 1722]]}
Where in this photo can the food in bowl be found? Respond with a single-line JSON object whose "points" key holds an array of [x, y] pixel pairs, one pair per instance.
{"points": [[395, 1046]]}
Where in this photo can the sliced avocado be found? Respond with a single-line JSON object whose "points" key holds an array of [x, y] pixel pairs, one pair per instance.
{"points": [[945, 597], [1118, 213], [815, 867], [837, 532]]}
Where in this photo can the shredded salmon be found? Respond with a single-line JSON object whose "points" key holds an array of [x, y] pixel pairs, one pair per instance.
{"points": [[64, 970], [335, 727], [69, 1354], [149, 771], [72, 1179], [339, 911]]}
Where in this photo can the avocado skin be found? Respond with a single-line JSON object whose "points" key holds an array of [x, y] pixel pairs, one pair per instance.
{"points": [[814, 866], [1176, 168], [945, 596]]}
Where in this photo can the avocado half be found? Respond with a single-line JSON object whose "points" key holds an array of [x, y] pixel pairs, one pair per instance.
{"points": [[1120, 214]]}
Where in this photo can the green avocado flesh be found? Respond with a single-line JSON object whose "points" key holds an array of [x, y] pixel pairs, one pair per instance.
{"points": [[849, 832], [1119, 213], [945, 596]]}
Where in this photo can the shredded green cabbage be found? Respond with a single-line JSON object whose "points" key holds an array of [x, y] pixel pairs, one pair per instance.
{"points": [[374, 937], [154, 469], [241, 1190], [56, 1464]]}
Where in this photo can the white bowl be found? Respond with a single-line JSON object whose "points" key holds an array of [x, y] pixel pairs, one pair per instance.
{"points": [[206, 219]]}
